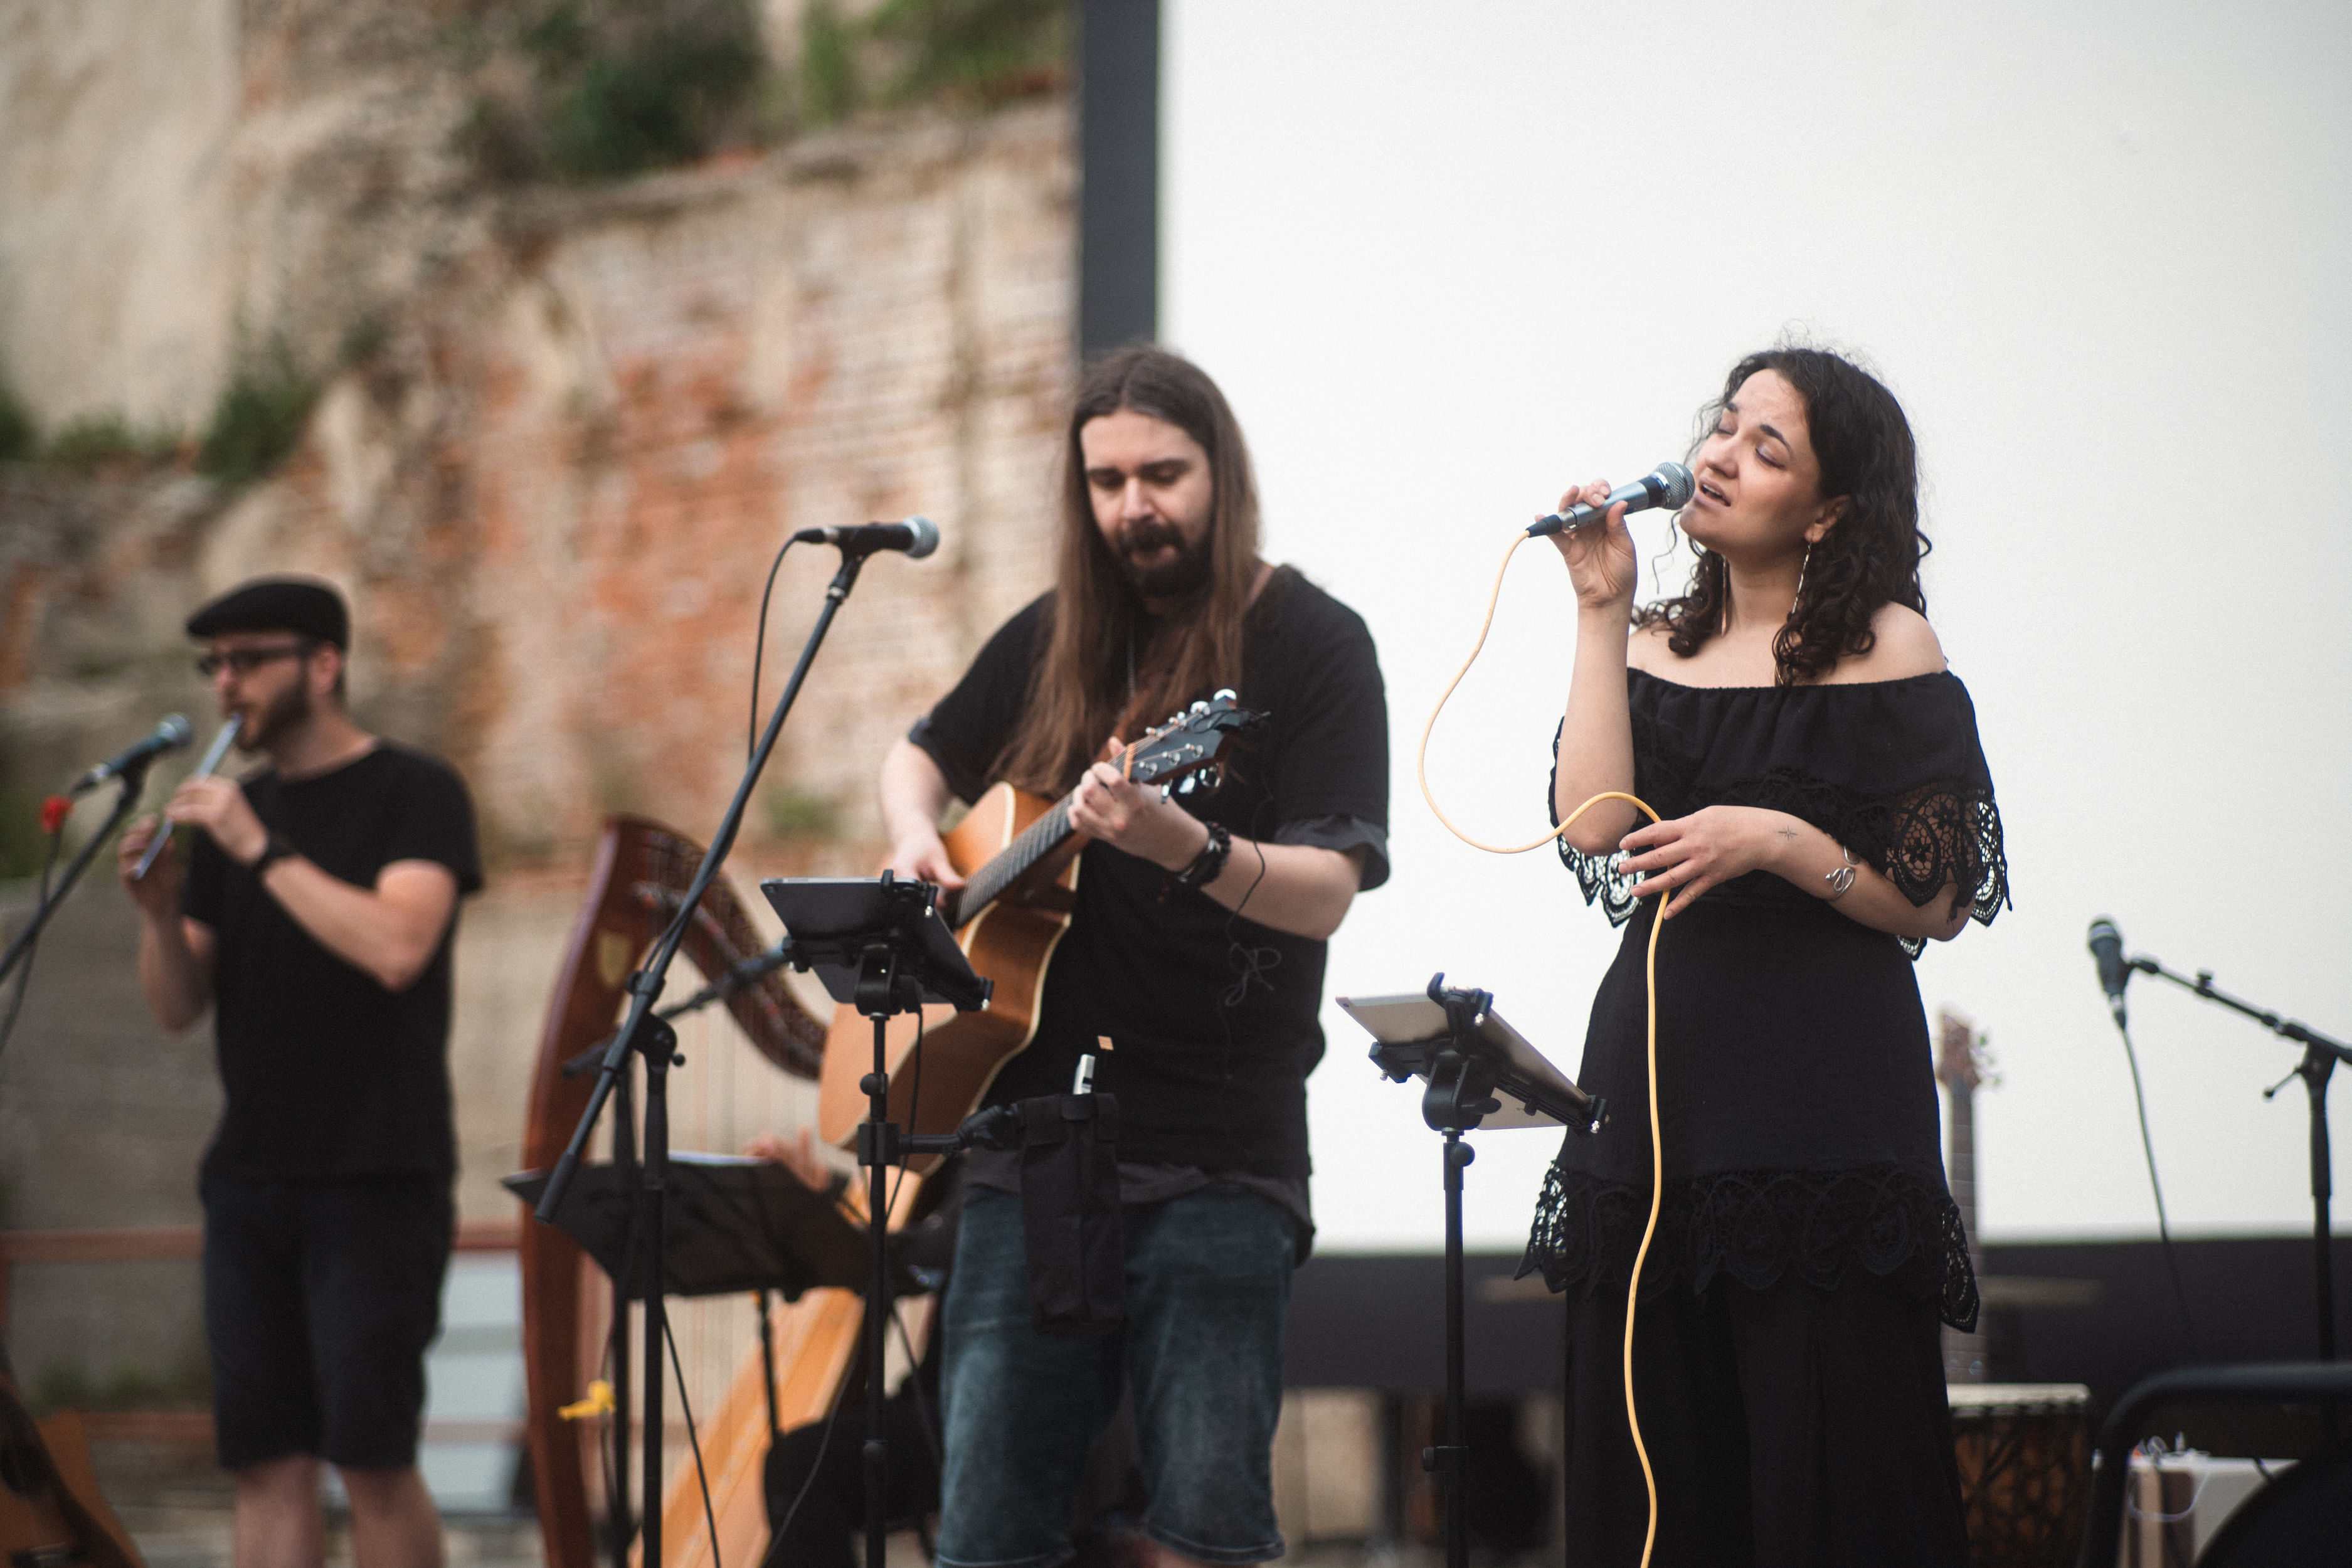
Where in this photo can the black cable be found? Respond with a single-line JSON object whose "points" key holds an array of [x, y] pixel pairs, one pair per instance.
{"points": [[693, 1441], [33, 947], [2163, 1227], [1248, 963], [931, 1434], [759, 647], [816, 1465], [2163, 1235]]}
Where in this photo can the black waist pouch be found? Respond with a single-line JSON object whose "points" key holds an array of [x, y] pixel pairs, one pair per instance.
{"points": [[1069, 1214]]}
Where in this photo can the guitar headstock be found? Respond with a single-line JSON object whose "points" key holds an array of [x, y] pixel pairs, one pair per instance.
{"points": [[1190, 741], [1962, 1062]]}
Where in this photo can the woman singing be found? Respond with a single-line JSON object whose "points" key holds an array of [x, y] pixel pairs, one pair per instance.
{"points": [[1827, 809]]}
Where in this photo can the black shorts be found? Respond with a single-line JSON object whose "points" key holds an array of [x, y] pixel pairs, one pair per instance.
{"points": [[318, 1302]]}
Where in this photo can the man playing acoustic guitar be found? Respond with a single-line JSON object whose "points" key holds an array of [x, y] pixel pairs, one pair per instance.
{"points": [[1196, 948]]}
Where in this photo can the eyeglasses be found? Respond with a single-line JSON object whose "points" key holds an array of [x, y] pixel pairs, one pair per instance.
{"points": [[244, 661]]}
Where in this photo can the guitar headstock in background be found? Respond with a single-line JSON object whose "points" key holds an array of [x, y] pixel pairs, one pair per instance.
{"points": [[1962, 1062]]}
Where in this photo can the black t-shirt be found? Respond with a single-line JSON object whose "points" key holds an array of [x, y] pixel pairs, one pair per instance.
{"points": [[1213, 1016], [330, 1076]]}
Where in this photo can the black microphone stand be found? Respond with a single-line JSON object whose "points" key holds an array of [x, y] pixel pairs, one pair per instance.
{"points": [[133, 778], [2320, 1056], [620, 1517], [653, 1039]]}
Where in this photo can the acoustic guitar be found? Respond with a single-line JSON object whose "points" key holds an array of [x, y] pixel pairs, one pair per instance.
{"points": [[52, 1514], [1019, 858], [1962, 1065]]}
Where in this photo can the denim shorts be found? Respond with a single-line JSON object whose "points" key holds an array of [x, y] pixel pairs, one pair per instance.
{"points": [[1208, 1282]]}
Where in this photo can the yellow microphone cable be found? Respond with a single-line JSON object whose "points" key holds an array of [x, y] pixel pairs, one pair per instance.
{"points": [[1657, 1160]]}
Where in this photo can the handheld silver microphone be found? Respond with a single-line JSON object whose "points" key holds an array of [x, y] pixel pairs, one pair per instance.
{"points": [[1668, 484]]}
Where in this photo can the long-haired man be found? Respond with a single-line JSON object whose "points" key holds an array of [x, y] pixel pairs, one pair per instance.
{"points": [[1196, 948]]}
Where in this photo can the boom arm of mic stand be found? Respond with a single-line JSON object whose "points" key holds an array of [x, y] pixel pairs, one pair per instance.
{"points": [[2320, 1056], [647, 982], [2287, 1028], [738, 976]]}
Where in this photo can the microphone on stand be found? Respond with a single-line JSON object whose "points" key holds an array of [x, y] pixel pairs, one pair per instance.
{"points": [[2106, 945], [169, 736], [918, 536], [1668, 484]]}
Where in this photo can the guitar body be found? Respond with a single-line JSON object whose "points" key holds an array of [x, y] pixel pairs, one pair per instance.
{"points": [[1010, 942], [52, 1514]]}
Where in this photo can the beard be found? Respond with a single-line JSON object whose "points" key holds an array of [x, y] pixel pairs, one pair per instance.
{"points": [[1184, 572], [287, 712]]}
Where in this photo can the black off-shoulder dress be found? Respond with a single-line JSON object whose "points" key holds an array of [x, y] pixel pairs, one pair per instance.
{"points": [[1806, 1243]]}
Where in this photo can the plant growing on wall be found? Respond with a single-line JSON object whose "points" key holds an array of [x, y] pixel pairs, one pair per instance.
{"points": [[20, 436], [257, 419], [589, 90], [602, 90]]}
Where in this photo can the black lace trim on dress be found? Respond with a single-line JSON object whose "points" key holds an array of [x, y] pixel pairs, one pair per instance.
{"points": [[1758, 1227], [1940, 836]]}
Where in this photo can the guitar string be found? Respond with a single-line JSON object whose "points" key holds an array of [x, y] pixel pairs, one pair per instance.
{"points": [[1657, 925]]}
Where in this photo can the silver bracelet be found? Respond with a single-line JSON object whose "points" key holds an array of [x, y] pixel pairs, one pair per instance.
{"points": [[1840, 878]]}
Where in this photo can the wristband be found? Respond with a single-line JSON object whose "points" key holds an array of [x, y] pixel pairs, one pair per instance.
{"points": [[274, 851], [1211, 861]]}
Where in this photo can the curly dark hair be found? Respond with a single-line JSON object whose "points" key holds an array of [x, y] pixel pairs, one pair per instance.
{"points": [[1870, 557]]}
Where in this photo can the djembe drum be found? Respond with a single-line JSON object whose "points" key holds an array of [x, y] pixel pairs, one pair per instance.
{"points": [[2024, 1453]]}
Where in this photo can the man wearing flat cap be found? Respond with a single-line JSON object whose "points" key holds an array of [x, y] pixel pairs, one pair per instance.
{"points": [[315, 918]]}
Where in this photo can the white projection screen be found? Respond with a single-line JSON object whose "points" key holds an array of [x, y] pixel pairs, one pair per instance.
{"points": [[1447, 260]]}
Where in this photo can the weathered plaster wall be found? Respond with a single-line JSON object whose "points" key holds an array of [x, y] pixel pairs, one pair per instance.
{"points": [[174, 175], [552, 491]]}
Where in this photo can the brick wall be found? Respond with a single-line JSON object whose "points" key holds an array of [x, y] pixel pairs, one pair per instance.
{"points": [[552, 493]]}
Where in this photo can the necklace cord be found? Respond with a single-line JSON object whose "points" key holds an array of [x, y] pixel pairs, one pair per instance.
{"points": [[1657, 1157]]}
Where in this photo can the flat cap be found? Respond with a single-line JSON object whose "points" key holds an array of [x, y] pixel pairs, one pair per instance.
{"points": [[303, 605]]}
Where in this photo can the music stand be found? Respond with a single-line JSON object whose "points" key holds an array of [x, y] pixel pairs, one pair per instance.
{"points": [[732, 1224], [879, 946], [1455, 1042]]}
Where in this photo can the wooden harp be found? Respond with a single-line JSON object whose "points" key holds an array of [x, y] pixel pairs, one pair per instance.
{"points": [[642, 871]]}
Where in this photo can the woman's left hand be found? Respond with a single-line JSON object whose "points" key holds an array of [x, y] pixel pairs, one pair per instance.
{"points": [[1688, 855]]}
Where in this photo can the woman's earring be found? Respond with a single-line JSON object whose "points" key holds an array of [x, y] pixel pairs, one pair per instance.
{"points": [[1799, 599]]}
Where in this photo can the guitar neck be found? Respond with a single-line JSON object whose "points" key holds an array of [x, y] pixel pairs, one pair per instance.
{"points": [[1007, 866], [1962, 1175]]}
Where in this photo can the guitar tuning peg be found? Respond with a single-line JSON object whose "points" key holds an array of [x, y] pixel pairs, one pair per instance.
{"points": [[1207, 779], [1198, 708], [1226, 694], [1186, 785]]}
